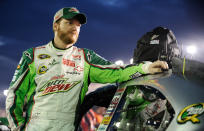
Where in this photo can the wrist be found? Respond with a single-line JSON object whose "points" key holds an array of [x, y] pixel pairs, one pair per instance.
{"points": [[145, 67]]}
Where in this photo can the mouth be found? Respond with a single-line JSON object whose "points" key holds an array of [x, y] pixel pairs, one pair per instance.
{"points": [[73, 31]]}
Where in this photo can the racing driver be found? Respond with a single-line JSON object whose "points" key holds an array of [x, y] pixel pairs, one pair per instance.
{"points": [[50, 82]]}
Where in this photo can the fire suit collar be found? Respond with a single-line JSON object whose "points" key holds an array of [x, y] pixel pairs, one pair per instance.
{"points": [[56, 51], [53, 44]]}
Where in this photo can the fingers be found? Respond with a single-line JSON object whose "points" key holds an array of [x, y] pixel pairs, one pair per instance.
{"points": [[160, 64], [155, 70], [164, 65], [157, 67]]}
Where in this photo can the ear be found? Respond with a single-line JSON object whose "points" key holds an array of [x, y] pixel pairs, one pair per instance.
{"points": [[55, 26]]}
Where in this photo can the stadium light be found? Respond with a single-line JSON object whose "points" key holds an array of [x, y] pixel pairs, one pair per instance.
{"points": [[117, 124], [119, 62], [191, 49], [5, 92], [131, 61]]}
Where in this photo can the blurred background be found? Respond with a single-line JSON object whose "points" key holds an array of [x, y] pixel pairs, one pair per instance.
{"points": [[112, 30]]}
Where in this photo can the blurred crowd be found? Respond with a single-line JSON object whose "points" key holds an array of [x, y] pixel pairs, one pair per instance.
{"points": [[92, 119]]}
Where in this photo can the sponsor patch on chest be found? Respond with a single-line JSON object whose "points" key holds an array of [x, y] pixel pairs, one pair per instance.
{"points": [[68, 62], [44, 56], [56, 86]]}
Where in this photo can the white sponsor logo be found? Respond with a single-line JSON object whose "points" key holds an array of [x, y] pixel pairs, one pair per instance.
{"points": [[153, 42], [154, 36]]}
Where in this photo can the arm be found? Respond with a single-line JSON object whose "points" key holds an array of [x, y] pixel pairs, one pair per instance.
{"points": [[118, 74], [103, 71], [17, 91]]}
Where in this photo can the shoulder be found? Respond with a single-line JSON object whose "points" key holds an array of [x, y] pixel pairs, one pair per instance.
{"points": [[28, 55], [41, 47], [89, 54], [26, 59], [93, 58], [88, 51]]}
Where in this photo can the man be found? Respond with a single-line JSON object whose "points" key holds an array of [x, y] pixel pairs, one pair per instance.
{"points": [[51, 80]]}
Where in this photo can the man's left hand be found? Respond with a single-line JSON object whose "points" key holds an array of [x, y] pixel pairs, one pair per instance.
{"points": [[155, 67]]}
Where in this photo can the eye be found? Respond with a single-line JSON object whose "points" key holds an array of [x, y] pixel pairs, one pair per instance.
{"points": [[72, 22], [68, 22]]}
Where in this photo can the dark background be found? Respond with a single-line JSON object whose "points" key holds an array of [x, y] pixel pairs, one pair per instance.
{"points": [[112, 29]]}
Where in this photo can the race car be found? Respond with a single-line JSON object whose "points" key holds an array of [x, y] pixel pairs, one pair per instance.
{"points": [[172, 101]]}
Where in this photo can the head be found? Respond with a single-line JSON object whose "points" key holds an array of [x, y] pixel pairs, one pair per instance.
{"points": [[67, 23]]}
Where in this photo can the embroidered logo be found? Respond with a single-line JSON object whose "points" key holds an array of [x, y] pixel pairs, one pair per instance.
{"points": [[27, 54], [56, 86], [73, 73], [53, 62], [44, 56], [57, 77], [42, 69], [77, 57], [68, 62], [89, 56], [78, 69], [135, 75]]}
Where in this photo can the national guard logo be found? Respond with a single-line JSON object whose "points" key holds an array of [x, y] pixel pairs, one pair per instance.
{"points": [[42, 69], [44, 56], [190, 113], [57, 85]]}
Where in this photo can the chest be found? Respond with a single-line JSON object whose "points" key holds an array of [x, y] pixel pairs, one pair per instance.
{"points": [[54, 69]]}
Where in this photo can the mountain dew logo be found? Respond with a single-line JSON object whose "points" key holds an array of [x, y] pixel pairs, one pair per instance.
{"points": [[57, 85], [190, 113]]}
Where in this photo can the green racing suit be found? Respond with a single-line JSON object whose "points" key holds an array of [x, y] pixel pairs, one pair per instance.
{"points": [[50, 84]]}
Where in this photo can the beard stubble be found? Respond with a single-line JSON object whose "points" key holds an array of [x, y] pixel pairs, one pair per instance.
{"points": [[65, 37]]}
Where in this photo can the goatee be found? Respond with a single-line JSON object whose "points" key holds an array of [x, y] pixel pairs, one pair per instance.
{"points": [[66, 39]]}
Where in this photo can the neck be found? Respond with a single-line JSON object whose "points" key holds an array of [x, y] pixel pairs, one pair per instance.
{"points": [[60, 44]]}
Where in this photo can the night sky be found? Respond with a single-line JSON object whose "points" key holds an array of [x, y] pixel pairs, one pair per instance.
{"points": [[112, 30]]}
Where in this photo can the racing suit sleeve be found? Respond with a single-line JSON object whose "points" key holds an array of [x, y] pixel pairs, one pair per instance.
{"points": [[17, 93], [103, 71]]}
